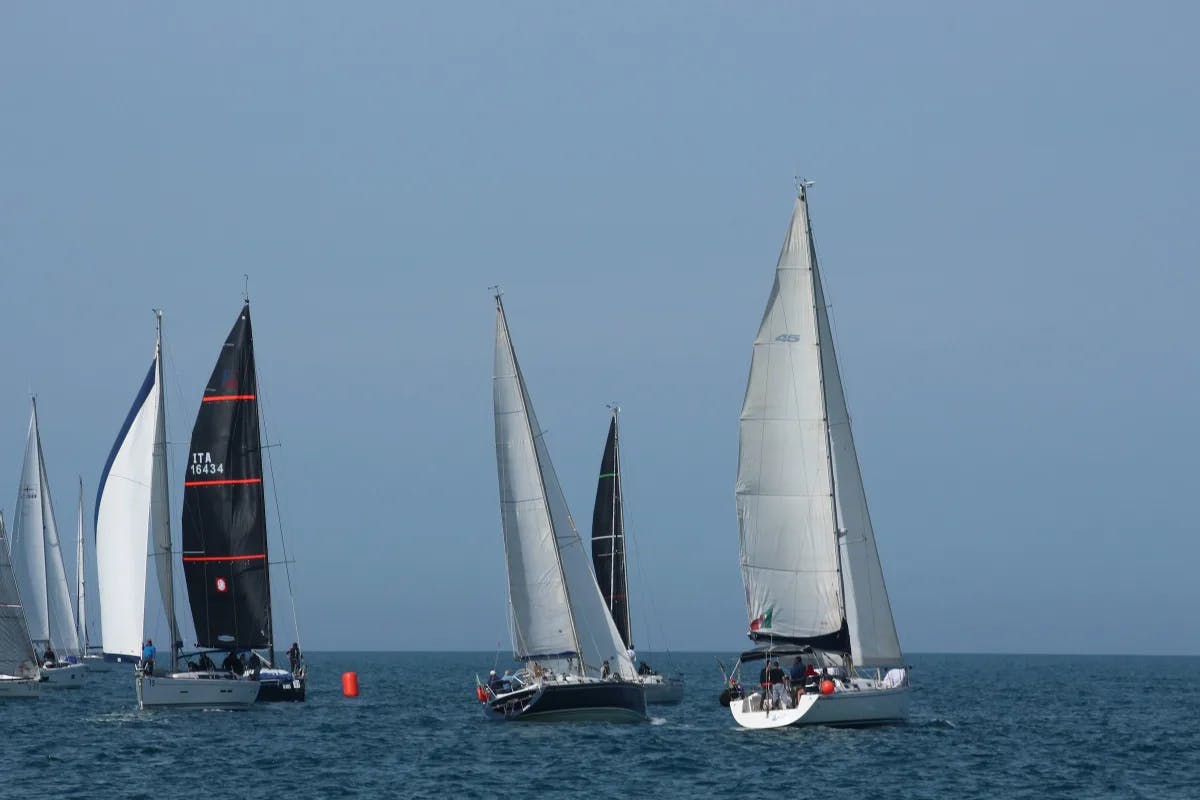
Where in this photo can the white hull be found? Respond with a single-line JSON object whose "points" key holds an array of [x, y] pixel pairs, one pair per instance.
{"points": [[18, 687], [663, 689], [864, 706], [66, 676], [195, 690]]}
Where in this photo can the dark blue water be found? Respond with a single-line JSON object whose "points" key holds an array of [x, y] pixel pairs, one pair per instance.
{"points": [[982, 726]]}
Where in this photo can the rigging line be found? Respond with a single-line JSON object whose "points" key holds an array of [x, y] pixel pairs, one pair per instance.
{"points": [[262, 415]]}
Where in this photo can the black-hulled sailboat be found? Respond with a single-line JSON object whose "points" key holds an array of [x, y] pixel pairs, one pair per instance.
{"points": [[575, 665], [608, 559], [225, 559]]}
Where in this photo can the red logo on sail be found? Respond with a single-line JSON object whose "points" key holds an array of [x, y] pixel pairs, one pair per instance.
{"points": [[228, 381], [222, 585]]}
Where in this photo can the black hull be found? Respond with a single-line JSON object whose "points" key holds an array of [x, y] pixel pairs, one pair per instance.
{"points": [[282, 691], [606, 701]]}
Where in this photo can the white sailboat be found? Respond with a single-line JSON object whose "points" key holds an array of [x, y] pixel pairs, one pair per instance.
{"points": [[38, 564], [132, 514], [576, 665], [19, 673], [814, 586]]}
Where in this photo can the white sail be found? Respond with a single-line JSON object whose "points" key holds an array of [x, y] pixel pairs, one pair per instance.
{"points": [[541, 616], [123, 523], [873, 639], [28, 542], [38, 553], [17, 656], [784, 492], [160, 514], [557, 609], [63, 633]]}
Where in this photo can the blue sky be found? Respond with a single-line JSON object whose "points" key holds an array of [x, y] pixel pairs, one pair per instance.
{"points": [[1004, 212]]}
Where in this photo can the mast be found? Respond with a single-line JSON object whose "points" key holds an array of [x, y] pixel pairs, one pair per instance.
{"points": [[80, 582], [160, 500]]}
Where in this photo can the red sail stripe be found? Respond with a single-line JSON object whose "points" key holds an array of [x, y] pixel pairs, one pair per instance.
{"points": [[250, 557], [216, 397], [231, 482]]}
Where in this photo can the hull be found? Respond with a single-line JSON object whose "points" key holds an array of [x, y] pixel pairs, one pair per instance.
{"points": [[856, 707], [14, 688], [121, 658], [663, 690], [195, 690], [68, 676], [281, 686], [591, 701]]}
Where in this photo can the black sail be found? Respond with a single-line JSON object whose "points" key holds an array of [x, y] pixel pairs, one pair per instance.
{"points": [[608, 536], [224, 524]]}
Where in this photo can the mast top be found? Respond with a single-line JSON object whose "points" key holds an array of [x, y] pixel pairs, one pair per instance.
{"points": [[802, 185], [246, 288]]}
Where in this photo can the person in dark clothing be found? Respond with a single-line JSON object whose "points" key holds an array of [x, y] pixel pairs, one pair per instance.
{"points": [[48, 657], [645, 669], [605, 670], [233, 664], [495, 683], [294, 657], [777, 678]]}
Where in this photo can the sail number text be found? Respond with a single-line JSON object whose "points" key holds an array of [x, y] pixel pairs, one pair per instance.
{"points": [[203, 464]]}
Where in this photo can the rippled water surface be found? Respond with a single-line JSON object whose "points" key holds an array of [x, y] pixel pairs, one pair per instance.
{"points": [[982, 726]]}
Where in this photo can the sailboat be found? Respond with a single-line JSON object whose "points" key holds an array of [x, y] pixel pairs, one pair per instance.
{"points": [[19, 673], [38, 562], [132, 515], [224, 521], [576, 667], [815, 594], [608, 558]]}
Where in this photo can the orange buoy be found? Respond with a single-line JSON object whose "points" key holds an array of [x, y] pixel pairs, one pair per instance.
{"points": [[350, 684], [826, 686]]}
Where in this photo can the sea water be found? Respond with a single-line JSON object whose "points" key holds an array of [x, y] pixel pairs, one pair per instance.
{"points": [[991, 726]]}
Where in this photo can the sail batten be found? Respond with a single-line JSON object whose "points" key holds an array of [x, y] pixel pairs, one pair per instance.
{"points": [[224, 522]]}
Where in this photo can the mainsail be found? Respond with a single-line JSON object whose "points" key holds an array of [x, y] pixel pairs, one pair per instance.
{"points": [[17, 656], [224, 523], [608, 535], [809, 560], [557, 611], [37, 553]]}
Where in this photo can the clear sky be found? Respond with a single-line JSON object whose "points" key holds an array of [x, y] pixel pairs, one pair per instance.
{"points": [[1005, 209]]}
